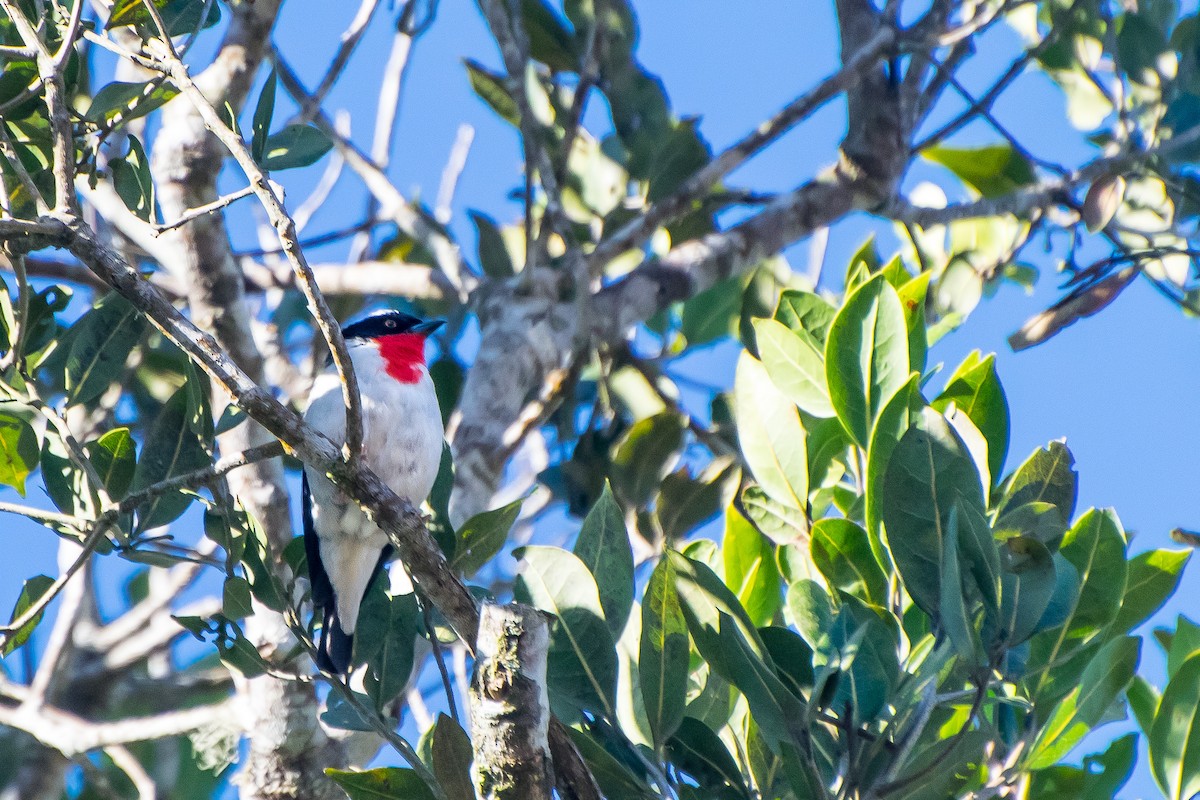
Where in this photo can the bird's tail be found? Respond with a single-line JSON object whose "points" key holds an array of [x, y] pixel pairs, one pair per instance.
{"points": [[335, 647]]}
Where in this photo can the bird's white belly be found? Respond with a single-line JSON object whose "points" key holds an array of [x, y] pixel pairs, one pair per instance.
{"points": [[402, 442]]}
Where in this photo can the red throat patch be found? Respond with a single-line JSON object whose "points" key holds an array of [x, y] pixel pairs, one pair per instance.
{"points": [[403, 356]]}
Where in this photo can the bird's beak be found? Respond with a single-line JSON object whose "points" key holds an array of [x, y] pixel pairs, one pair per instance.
{"points": [[427, 327]]}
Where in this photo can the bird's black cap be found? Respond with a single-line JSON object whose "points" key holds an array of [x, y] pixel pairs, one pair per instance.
{"points": [[388, 323]]}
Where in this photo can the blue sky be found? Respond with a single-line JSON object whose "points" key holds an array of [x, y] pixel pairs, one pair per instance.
{"points": [[1120, 387]]}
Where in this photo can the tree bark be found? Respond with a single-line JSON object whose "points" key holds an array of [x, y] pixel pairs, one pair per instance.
{"points": [[510, 711]]}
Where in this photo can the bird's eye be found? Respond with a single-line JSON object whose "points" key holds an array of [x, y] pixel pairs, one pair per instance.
{"points": [[391, 323]]}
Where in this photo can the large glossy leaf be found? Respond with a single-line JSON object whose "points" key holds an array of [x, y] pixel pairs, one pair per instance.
{"points": [[703, 598], [779, 522], [494, 258], [172, 448], [1105, 678], [978, 394], [750, 568], [928, 473], [1153, 577], [1175, 737], [663, 653], [603, 546], [796, 364], [114, 455], [977, 546], [991, 170], [771, 435], [383, 783], [31, 591], [1047, 476], [842, 552], [779, 713], [898, 414], [1096, 546], [392, 626], [264, 111], [295, 146], [582, 665], [482, 536], [805, 311], [451, 757], [697, 751], [912, 299], [866, 639], [866, 356], [685, 502], [645, 455], [128, 101], [1026, 587], [613, 777], [490, 87], [132, 179], [18, 451], [957, 619]]}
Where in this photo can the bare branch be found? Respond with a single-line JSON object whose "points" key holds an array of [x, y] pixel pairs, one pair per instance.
{"points": [[735, 155]]}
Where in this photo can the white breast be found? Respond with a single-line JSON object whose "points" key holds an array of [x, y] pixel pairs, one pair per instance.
{"points": [[402, 436]]}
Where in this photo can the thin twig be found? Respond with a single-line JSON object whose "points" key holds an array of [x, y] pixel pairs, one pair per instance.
{"points": [[443, 211], [285, 227], [200, 211]]}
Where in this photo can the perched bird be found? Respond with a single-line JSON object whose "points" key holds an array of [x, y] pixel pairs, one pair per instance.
{"points": [[402, 444]]}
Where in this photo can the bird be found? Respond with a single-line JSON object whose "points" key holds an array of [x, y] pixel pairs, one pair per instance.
{"points": [[402, 444]]}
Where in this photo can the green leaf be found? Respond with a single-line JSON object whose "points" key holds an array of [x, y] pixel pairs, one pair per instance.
{"points": [[771, 435], [482, 537], [697, 751], [685, 502], [780, 714], [867, 639], [703, 598], [1047, 476], [550, 40], [491, 88], [1153, 577], [1143, 702], [128, 101], [1096, 546], [18, 451], [1026, 587], [791, 656], [32, 590], [956, 616], [978, 547], [1175, 737], [179, 16], [782, 524], [172, 448], [264, 111], [1140, 45], [1184, 642], [842, 552], [928, 473], [452, 756], [1105, 678], [132, 180], [866, 356], [235, 598], [494, 258], [603, 546], [750, 569], [978, 394], [645, 455], [796, 365], [383, 783], [100, 347], [991, 170], [293, 147], [807, 312], [613, 777], [900, 411], [582, 669], [912, 299], [114, 456], [663, 654], [258, 561], [389, 669]]}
